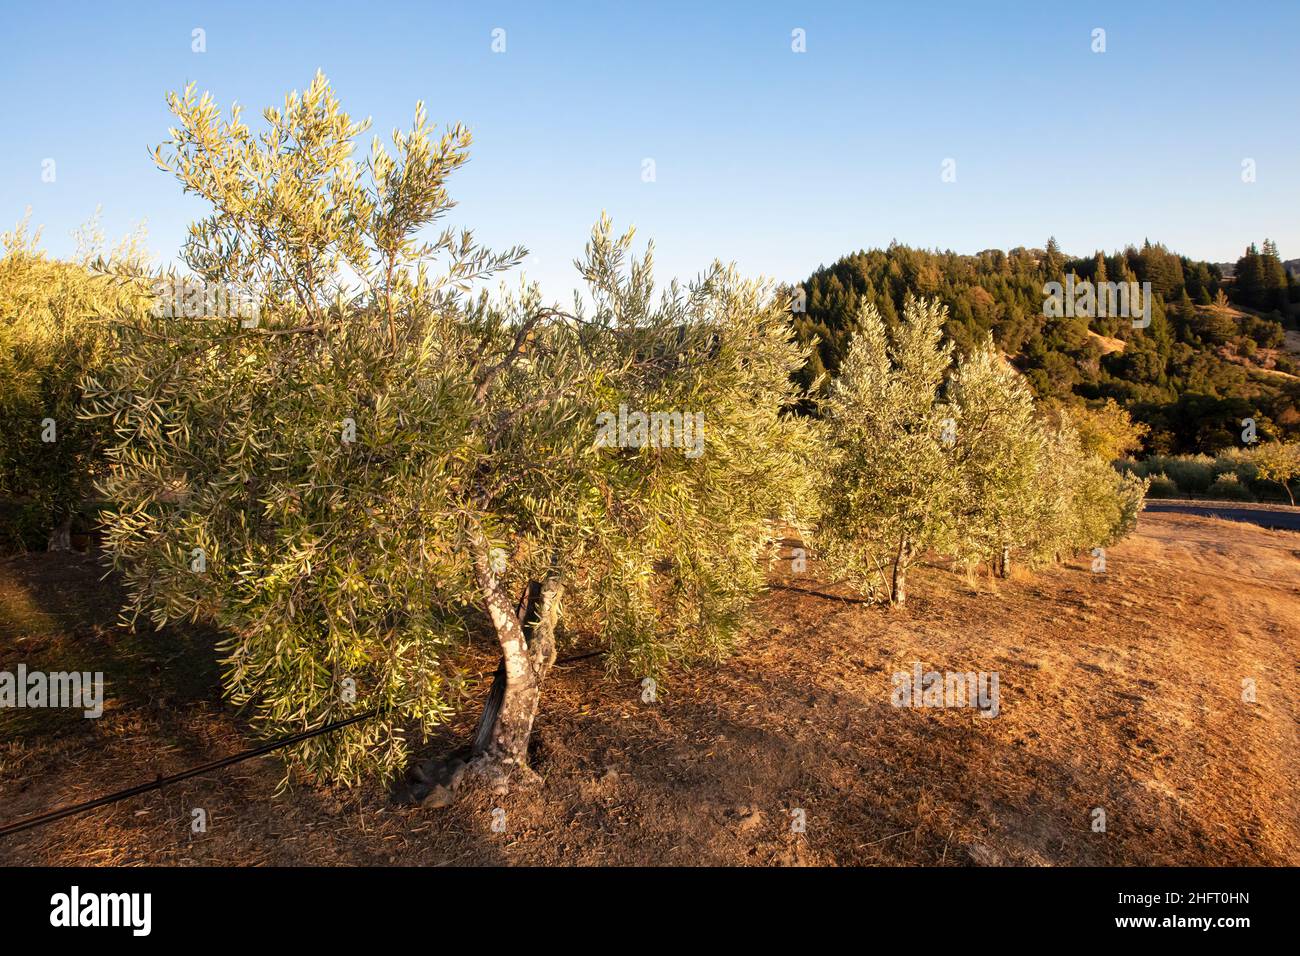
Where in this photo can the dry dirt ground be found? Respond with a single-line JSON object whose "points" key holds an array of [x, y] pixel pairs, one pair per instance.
{"points": [[1121, 691]]}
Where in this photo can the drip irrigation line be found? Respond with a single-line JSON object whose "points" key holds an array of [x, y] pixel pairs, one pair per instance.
{"points": [[44, 818], [63, 812]]}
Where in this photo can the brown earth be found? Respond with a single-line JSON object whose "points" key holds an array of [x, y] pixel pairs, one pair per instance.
{"points": [[1120, 690]]}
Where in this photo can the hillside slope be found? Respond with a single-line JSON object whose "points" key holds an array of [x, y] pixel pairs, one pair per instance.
{"points": [[1119, 690], [1191, 370]]}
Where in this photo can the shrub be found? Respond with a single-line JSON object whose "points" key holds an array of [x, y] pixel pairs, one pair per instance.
{"points": [[1130, 466], [1236, 461], [1227, 487], [1191, 473], [1161, 487]]}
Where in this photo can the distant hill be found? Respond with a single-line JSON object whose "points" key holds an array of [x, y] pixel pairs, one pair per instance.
{"points": [[1191, 375]]}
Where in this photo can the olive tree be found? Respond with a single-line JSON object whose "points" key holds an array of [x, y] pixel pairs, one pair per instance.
{"points": [[928, 457], [53, 331], [1081, 501], [1278, 461], [891, 489], [997, 454], [386, 466], [684, 528]]}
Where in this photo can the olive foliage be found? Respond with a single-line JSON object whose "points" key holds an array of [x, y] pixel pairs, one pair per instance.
{"points": [[891, 492], [356, 487], [928, 456], [53, 332]]}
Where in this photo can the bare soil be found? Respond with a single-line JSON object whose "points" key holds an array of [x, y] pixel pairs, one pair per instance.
{"points": [[1120, 690]]}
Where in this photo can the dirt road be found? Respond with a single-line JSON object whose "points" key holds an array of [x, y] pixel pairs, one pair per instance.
{"points": [[1277, 517]]}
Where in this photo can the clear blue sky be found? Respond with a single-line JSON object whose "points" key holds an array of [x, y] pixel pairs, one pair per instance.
{"points": [[777, 160]]}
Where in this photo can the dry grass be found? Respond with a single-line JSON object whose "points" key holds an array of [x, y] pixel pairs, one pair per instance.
{"points": [[1120, 691], [1107, 344]]}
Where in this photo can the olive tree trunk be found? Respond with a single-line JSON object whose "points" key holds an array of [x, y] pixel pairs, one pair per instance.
{"points": [[61, 537], [898, 586], [527, 639]]}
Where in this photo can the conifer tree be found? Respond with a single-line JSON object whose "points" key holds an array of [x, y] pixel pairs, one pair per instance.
{"points": [[1248, 288]]}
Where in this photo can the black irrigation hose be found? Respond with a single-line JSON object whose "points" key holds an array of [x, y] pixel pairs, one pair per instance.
{"points": [[491, 707], [44, 818]]}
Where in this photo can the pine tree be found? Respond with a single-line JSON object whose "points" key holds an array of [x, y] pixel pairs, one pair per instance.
{"points": [[1248, 288], [1054, 261], [1273, 291], [1099, 268]]}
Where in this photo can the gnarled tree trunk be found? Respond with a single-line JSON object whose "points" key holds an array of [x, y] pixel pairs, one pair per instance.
{"points": [[527, 639], [61, 536]]}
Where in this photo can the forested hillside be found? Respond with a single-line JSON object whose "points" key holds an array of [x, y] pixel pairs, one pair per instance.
{"points": [[1213, 353]]}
